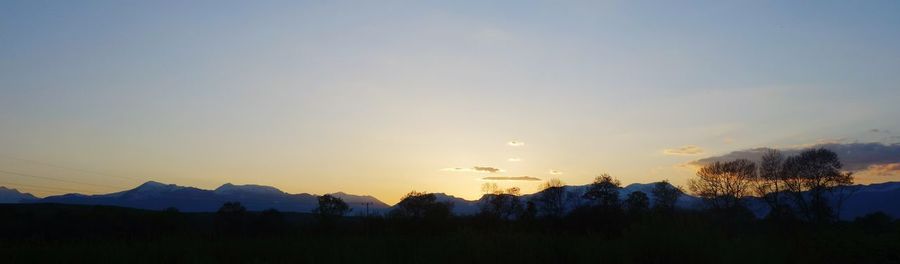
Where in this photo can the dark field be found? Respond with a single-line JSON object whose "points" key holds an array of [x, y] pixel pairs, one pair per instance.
{"points": [[48, 233]]}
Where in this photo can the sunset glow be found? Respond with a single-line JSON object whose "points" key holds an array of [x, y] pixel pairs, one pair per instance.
{"points": [[383, 98]]}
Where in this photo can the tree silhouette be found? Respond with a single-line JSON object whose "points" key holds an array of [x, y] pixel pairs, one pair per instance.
{"points": [[769, 184], [809, 176], [551, 199], [501, 204], [637, 202], [421, 205], [723, 184], [604, 192], [270, 221], [331, 208], [231, 218], [665, 196]]}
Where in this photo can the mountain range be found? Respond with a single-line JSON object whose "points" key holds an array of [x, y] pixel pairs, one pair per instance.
{"points": [[153, 195]]}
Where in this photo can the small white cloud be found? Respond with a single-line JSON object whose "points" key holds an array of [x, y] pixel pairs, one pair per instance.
{"points": [[457, 169], [478, 169], [685, 150], [514, 159], [516, 178], [516, 143]]}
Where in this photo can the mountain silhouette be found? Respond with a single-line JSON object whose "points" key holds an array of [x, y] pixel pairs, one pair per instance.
{"points": [[8, 195], [157, 196]]}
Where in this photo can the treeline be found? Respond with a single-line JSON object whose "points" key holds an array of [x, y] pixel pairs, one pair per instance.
{"points": [[809, 187], [557, 225], [806, 189]]}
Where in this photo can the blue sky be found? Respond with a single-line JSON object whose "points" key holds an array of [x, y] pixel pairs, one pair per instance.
{"points": [[381, 97]]}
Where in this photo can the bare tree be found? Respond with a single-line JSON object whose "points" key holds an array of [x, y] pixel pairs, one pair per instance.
{"points": [[552, 198], [812, 174], [723, 184], [769, 183], [489, 188], [604, 192], [501, 204], [665, 196]]}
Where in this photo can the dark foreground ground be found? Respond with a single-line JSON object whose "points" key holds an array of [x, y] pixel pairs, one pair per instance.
{"points": [[47, 233]]}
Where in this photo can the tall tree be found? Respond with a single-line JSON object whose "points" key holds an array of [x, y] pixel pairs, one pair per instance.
{"points": [[769, 182], [552, 198], [501, 204], [723, 184], [809, 176], [665, 196], [604, 192], [421, 205], [330, 208]]}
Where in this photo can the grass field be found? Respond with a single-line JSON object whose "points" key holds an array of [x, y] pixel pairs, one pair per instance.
{"points": [[682, 238]]}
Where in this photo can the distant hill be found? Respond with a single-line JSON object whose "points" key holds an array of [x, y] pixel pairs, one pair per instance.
{"points": [[157, 196], [866, 199], [8, 195]]}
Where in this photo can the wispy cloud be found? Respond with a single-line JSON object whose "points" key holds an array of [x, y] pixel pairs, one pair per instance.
{"points": [[555, 172], [514, 159], [515, 178], [683, 151], [889, 169], [479, 169], [457, 169], [516, 143], [486, 169]]}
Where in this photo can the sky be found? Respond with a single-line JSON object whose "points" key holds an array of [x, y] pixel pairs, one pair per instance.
{"points": [[385, 97]]}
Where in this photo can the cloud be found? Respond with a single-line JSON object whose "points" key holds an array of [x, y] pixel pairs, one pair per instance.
{"points": [[516, 143], [486, 169], [889, 169], [685, 150], [480, 169], [854, 156], [750, 154], [516, 178], [457, 169], [555, 172], [514, 159]]}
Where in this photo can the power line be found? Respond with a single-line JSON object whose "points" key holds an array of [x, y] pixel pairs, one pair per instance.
{"points": [[66, 167], [55, 179], [38, 188]]}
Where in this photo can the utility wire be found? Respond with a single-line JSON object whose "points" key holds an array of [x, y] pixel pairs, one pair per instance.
{"points": [[55, 179], [66, 167], [39, 188]]}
